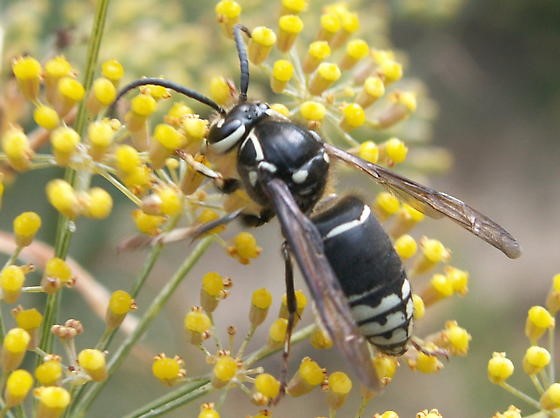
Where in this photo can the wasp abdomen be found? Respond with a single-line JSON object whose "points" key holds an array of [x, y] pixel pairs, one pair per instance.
{"points": [[370, 273]]}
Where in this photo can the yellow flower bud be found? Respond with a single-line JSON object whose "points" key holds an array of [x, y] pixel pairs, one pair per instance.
{"points": [[46, 117], [120, 304], [52, 401], [260, 303], [17, 387], [536, 358], [539, 320], [356, 50], [339, 386], [261, 43], [93, 362], [308, 376], [15, 145], [353, 116], [244, 247], [550, 399], [26, 226], [317, 52], [224, 370], [113, 70], [325, 75], [313, 111], [289, 27], [282, 72], [27, 71], [168, 370], [15, 344], [372, 89], [267, 385], [11, 282], [500, 368], [49, 372], [405, 246], [63, 197], [197, 324]]}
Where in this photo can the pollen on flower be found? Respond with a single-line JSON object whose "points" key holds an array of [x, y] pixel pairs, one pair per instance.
{"points": [[113, 70], [320, 340], [143, 105], [57, 67], [168, 136], [261, 43], [168, 369], [339, 386], [227, 13], [18, 385], [405, 246], [100, 135], [11, 282], [64, 141], [282, 72], [207, 411], [356, 50], [456, 339], [62, 196], [372, 89], [15, 344], [53, 400], [550, 399], [330, 25], [244, 247], [15, 145], [434, 250], [46, 117], [213, 284], [369, 151], [120, 304], [93, 362], [103, 93], [459, 279], [261, 299], [277, 332], [280, 108], [539, 320], [267, 385], [294, 6], [171, 200], [289, 27], [353, 116], [195, 129], [313, 111], [536, 358], [500, 368], [385, 366], [49, 372], [127, 158], [395, 150], [308, 376], [197, 324], [58, 268], [71, 89], [386, 205], [146, 223], [425, 363], [220, 90], [27, 71], [317, 52], [28, 319], [390, 71], [225, 369], [325, 75], [26, 226], [419, 306]]}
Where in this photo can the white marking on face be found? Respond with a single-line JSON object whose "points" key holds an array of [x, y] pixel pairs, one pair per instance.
{"points": [[300, 176], [393, 321], [363, 312], [253, 178], [264, 165], [342, 228], [229, 141]]}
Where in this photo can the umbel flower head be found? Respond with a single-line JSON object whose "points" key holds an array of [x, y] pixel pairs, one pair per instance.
{"points": [[149, 148]]}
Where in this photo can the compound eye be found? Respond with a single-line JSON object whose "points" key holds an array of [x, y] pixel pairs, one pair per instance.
{"points": [[225, 134]]}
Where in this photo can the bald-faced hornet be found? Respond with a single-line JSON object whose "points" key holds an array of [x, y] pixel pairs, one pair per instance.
{"points": [[355, 277]]}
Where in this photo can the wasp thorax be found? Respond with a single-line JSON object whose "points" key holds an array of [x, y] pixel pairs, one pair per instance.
{"points": [[228, 130]]}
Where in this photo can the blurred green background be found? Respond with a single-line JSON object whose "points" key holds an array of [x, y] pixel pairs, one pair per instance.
{"points": [[492, 68]]}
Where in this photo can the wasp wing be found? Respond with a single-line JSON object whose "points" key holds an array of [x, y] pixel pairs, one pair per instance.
{"points": [[307, 247], [434, 203]]}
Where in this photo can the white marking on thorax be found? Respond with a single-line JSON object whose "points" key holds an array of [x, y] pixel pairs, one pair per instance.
{"points": [[340, 229]]}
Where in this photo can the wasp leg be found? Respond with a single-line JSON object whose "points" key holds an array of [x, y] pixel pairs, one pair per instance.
{"points": [[419, 345], [224, 185], [291, 305]]}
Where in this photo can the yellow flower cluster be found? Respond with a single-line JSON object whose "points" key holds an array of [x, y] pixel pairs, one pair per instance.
{"points": [[538, 361]]}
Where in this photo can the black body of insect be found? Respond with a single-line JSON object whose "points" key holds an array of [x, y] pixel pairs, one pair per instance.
{"points": [[356, 279]]}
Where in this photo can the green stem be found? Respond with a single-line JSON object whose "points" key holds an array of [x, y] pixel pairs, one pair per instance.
{"points": [[65, 227], [193, 390], [158, 303], [521, 395]]}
